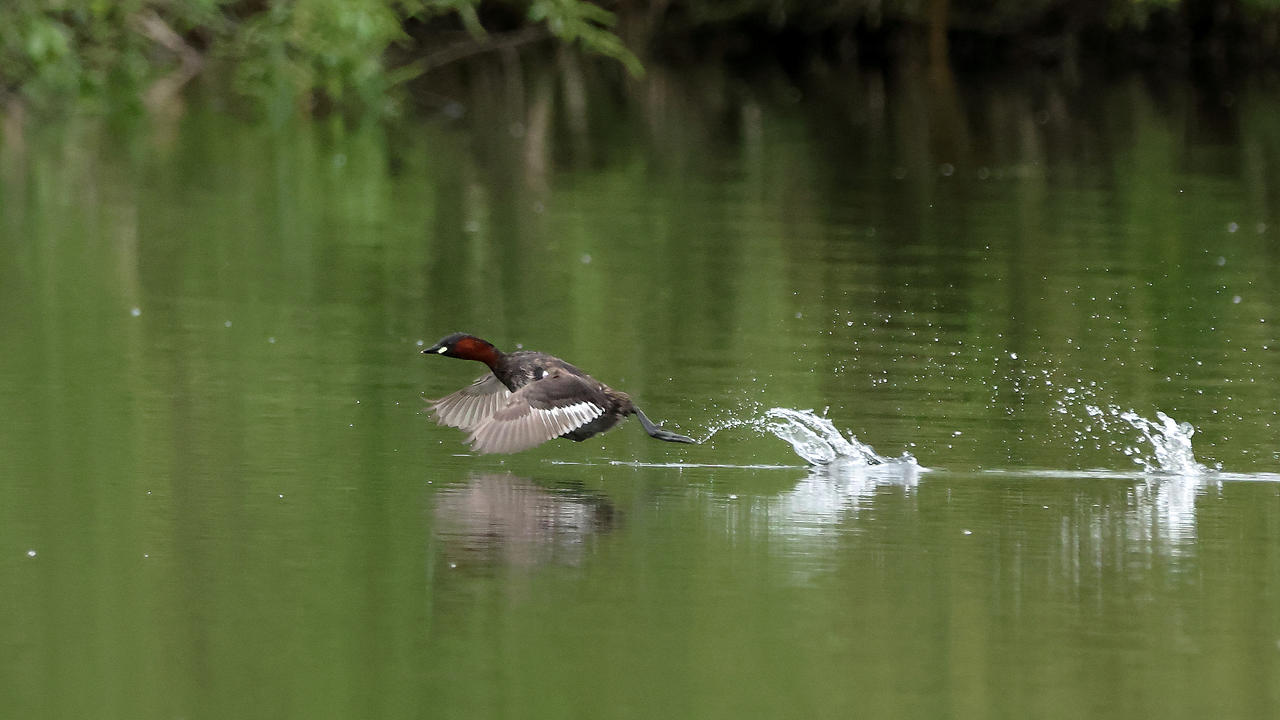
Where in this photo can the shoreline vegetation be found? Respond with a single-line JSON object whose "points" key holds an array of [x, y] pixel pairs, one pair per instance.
{"points": [[383, 57]]}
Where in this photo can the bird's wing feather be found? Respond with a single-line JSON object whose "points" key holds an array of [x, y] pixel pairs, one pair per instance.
{"points": [[542, 410], [467, 408]]}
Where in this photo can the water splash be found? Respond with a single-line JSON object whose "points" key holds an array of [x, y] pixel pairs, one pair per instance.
{"points": [[813, 437], [816, 438], [1165, 444]]}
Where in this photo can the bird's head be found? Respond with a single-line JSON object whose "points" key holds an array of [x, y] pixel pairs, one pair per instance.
{"points": [[465, 347]]}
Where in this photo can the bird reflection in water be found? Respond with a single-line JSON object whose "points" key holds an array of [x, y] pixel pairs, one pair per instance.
{"points": [[503, 519]]}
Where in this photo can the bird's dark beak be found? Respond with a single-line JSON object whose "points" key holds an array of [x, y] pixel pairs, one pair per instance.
{"points": [[433, 349]]}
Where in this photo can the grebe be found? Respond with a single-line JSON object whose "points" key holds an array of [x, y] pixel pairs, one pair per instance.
{"points": [[530, 398]]}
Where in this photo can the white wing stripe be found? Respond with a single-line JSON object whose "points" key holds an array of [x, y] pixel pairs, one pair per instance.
{"points": [[472, 405], [532, 428]]}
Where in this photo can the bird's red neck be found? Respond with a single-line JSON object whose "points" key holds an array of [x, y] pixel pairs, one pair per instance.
{"points": [[472, 348]]}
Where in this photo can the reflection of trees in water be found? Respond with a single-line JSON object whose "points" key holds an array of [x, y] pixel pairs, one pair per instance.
{"points": [[503, 519]]}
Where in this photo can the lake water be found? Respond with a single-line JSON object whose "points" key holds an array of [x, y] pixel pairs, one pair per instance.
{"points": [[1048, 314]]}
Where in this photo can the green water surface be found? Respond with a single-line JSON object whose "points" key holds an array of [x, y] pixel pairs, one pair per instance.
{"points": [[220, 496]]}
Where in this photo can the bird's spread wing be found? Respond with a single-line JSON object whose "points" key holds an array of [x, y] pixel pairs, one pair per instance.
{"points": [[542, 410], [473, 404]]}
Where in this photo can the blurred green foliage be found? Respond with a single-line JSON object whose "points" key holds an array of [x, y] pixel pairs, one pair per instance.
{"points": [[300, 51], [333, 49], [288, 54]]}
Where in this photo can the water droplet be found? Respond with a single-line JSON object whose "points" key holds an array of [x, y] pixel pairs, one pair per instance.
{"points": [[135, 312], [227, 324], [31, 553]]}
